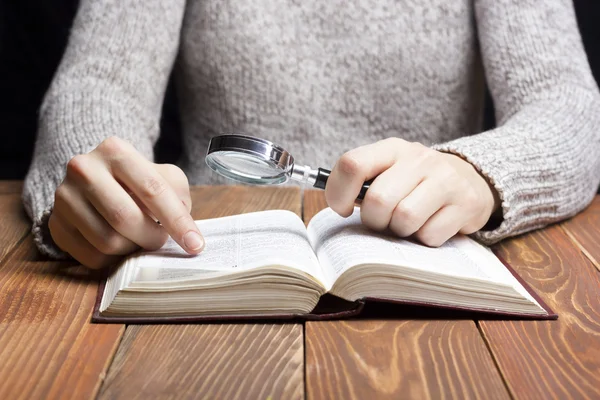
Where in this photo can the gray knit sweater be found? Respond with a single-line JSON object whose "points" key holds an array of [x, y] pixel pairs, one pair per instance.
{"points": [[322, 77]]}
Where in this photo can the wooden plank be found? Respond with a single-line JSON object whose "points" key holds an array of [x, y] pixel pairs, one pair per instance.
{"points": [[11, 187], [551, 359], [219, 201], [313, 201], [365, 359], [250, 361], [48, 348], [214, 361], [584, 230], [396, 359], [14, 224]]}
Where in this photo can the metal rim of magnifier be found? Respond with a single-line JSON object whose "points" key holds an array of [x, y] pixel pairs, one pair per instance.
{"points": [[275, 157]]}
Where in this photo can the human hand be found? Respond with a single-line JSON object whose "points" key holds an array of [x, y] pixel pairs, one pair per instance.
{"points": [[106, 205], [417, 191]]}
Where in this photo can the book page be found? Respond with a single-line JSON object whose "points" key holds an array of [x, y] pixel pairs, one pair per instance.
{"points": [[236, 243], [341, 243]]}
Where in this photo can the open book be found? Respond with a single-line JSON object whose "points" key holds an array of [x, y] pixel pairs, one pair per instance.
{"points": [[269, 265]]}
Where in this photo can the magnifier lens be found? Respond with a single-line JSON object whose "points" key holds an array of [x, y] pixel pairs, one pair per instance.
{"points": [[257, 161], [245, 167]]}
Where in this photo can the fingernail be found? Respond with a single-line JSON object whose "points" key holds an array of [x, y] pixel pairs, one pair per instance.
{"points": [[193, 240]]}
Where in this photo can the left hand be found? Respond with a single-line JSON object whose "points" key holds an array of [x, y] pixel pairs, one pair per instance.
{"points": [[417, 191]]}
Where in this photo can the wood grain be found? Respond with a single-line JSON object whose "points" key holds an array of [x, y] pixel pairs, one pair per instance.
{"points": [[214, 361], [48, 348], [11, 187], [253, 361], [219, 201], [584, 230], [14, 224], [313, 201], [364, 359], [551, 359]]}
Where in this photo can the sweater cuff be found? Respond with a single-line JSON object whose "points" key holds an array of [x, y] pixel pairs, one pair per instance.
{"points": [[528, 201], [487, 167], [43, 239], [542, 161], [70, 125], [529, 196]]}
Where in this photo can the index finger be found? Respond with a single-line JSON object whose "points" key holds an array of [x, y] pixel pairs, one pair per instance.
{"points": [[152, 189], [354, 168]]}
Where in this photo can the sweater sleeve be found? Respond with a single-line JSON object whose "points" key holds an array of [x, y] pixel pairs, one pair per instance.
{"points": [[110, 82], [544, 156]]}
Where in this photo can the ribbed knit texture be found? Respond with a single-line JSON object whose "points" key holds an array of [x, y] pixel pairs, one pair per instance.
{"points": [[322, 77]]}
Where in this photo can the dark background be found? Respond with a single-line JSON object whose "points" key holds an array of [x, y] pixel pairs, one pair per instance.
{"points": [[33, 34]]}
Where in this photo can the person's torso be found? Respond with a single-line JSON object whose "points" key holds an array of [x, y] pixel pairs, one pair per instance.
{"points": [[322, 77]]}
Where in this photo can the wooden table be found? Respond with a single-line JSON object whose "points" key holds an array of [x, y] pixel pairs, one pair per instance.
{"points": [[49, 348]]}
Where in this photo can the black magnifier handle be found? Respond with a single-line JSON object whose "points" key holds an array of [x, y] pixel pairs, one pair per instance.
{"points": [[323, 175]]}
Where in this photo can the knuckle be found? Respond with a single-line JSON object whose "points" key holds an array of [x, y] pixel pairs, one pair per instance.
{"points": [[77, 166], [405, 221], [349, 164], [376, 200], [426, 155], [112, 146], [153, 187], [418, 146], [120, 216], [406, 215], [394, 141], [113, 243]]}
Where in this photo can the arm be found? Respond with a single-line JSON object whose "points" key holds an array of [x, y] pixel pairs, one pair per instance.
{"points": [[544, 157], [110, 82]]}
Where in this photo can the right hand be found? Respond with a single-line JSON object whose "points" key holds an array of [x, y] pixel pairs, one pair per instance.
{"points": [[109, 202]]}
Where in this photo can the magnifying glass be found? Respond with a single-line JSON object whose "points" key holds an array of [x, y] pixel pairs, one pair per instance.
{"points": [[257, 161]]}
